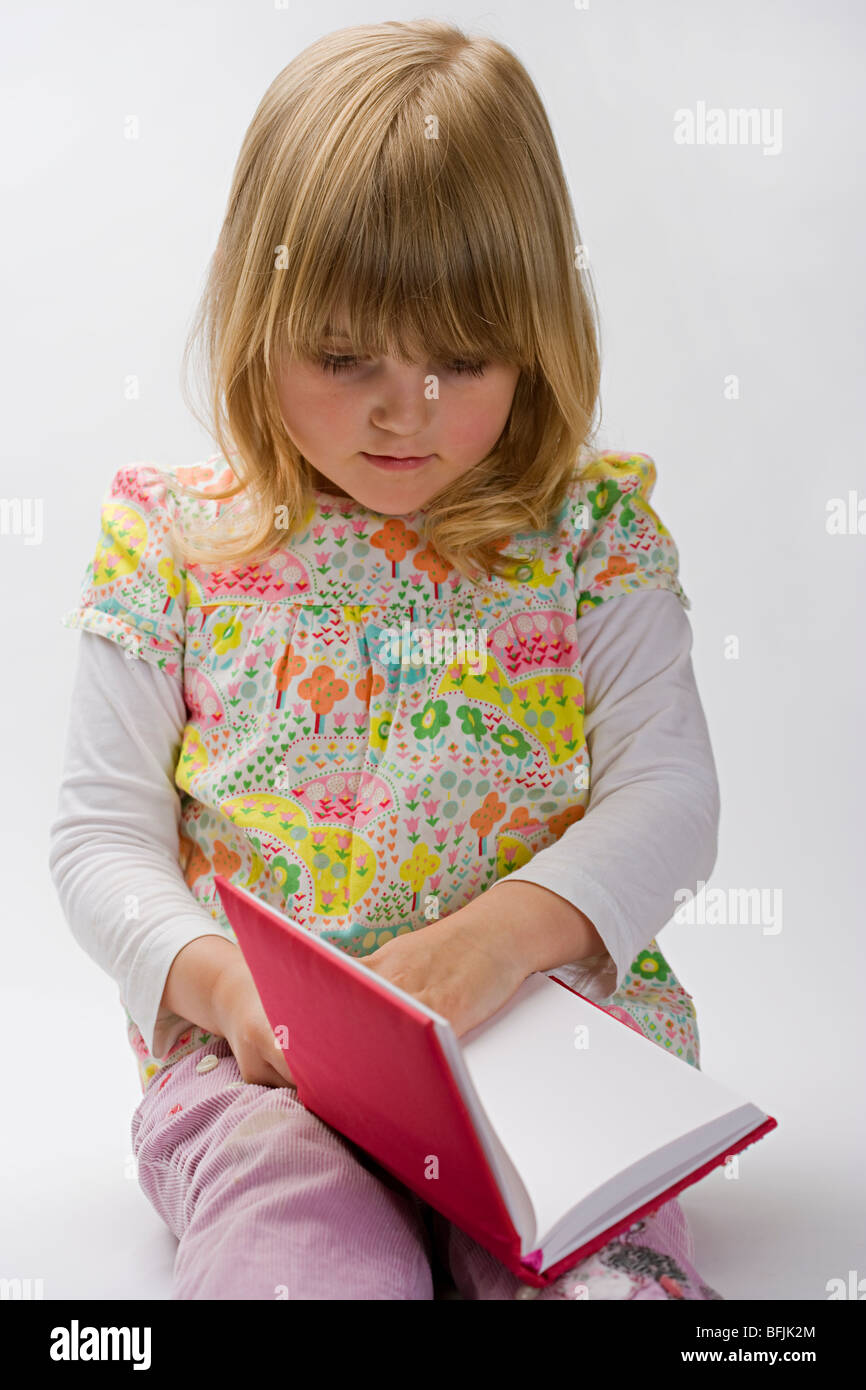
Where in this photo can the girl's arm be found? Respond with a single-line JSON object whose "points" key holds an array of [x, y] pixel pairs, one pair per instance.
{"points": [[652, 820], [113, 850]]}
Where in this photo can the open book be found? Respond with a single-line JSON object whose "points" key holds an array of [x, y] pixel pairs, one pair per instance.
{"points": [[543, 1132]]}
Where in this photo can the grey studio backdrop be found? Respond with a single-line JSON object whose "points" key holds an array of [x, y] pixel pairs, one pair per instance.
{"points": [[730, 282]]}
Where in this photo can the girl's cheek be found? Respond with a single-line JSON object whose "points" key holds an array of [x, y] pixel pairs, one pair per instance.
{"points": [[477, 428]]}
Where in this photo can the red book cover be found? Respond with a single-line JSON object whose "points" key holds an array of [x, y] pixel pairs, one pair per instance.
{"points": [[368, 1061]]}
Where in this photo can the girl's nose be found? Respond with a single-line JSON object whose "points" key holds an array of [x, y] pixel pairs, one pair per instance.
{"points": [[400, 399]]}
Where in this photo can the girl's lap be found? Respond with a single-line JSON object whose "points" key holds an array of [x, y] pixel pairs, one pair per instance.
{"points": [[202, 1104]]}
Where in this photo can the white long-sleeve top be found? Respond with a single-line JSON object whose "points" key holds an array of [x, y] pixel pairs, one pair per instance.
{"points": [[650, 828]]}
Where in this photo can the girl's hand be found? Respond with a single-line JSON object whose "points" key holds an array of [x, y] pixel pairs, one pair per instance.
{"points": [[457, 966], [242, 1021]]}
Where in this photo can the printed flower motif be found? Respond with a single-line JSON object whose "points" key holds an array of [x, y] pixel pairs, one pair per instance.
{"points": [[432, 719], [651, 965], [603, 498], [627, 514], [586, 601], [512, 741], [471, 722], [226, 636]]}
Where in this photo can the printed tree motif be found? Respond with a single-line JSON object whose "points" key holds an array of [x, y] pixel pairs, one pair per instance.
{"points": [[491, 810], [416, 870], [564, 818], [193, 860], [430, 560], [369, 685], [190, 475], [323, 689], [522, 819], [286, 875], [225, 861], [617, 566], [395, 540], [290, 664]]}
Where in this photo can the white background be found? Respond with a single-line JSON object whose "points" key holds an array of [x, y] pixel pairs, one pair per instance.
{"points": [[708, 261]]}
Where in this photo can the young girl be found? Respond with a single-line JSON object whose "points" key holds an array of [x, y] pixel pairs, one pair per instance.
{"points": [[403, 367]]}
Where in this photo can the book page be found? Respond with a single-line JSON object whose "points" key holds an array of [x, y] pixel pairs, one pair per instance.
{"points": [[575, 1096], [645, 1180]]}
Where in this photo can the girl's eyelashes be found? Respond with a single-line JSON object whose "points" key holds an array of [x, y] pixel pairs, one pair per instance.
{"points": [[335, 364], [464, 368]]}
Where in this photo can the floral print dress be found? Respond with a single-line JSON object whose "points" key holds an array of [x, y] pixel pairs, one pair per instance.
{"points": [[323, 769]]}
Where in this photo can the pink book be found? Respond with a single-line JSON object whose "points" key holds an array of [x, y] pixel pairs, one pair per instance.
{"points": [[543, 1132]]}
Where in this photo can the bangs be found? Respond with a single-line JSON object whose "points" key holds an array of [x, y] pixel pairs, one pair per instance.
{"points": [[407, 251]]}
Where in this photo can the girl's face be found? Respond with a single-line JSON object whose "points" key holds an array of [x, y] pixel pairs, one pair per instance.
{"points": [[338, 419]]}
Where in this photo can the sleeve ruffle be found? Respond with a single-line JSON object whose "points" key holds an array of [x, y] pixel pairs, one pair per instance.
{"points": [[133, 590], [620, 542]]}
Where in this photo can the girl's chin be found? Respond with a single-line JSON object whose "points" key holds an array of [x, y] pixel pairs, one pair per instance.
{"points": [[323, 484]]}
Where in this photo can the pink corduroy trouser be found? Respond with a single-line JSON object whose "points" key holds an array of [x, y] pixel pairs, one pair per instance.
{"points": [[269, 1202]]}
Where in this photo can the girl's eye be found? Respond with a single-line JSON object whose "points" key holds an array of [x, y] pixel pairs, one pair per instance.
{"points": [[469, 368], [335, 364]]}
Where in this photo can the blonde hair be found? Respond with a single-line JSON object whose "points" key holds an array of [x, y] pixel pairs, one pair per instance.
{"points": [[464, 243]]}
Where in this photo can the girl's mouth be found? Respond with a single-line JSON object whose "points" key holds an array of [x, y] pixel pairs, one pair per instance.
{"points": [[397, 465]]}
